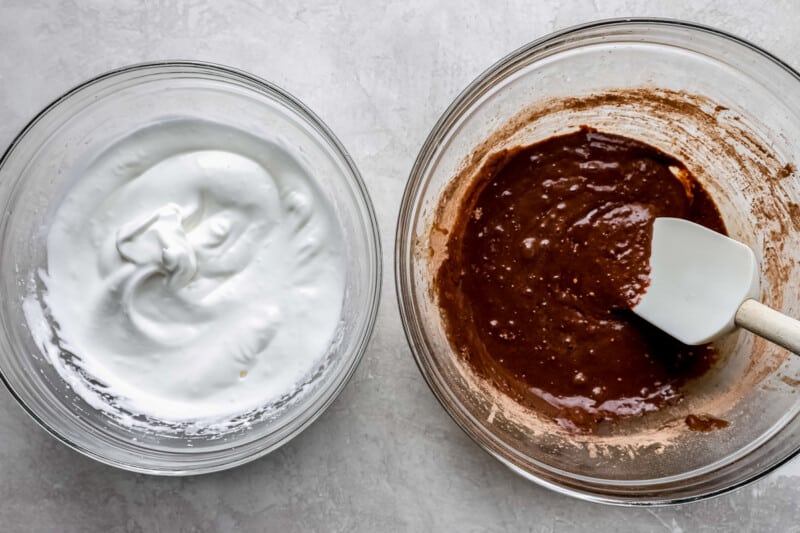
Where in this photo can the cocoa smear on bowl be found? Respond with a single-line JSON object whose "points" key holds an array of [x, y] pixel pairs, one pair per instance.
{"points": [[708, 139]]}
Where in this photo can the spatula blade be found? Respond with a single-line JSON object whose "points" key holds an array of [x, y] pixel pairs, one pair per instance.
{"points": [[698, 279]]}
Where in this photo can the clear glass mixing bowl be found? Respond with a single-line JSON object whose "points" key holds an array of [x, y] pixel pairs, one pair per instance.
{"points": [[35, 173], [731, 112]]}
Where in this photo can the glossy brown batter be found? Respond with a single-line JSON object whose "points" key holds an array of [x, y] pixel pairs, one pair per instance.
{"points": [[548, 255]]}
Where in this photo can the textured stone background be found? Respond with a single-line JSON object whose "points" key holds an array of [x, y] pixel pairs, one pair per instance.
{"points": [[385, 457]]}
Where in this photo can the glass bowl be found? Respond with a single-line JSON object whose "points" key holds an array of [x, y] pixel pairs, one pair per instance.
{"points": [[34, 175], [731, 113]]}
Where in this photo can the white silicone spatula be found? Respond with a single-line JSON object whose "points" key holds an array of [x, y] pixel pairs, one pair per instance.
{"points": [[703, 285]]}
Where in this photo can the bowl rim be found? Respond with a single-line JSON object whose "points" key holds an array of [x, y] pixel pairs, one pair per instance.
{"points": [[411, 324], [314, 411]]}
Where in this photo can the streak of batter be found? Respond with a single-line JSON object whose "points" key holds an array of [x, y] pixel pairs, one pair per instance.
{"points": [[549, 253]]}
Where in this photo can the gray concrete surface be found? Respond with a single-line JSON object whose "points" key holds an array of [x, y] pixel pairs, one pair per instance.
{"points": [[385, 457]]}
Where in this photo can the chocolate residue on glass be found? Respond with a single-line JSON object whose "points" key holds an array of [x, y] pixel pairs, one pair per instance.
{"points": [[705, 423], [549, 253]]}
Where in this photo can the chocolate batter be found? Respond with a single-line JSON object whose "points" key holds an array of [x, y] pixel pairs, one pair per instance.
{"points": [[548, 255]]}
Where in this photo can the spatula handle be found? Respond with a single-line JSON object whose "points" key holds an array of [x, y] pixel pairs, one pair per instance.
{"points": [[770, 324]]}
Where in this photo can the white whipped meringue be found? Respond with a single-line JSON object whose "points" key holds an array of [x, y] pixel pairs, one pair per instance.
{"points": [[195, 271]]}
